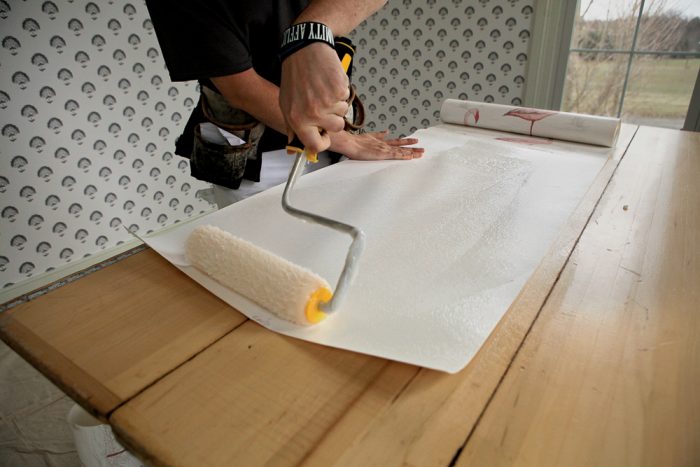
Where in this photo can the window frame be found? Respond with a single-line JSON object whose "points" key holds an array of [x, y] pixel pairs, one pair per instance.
{"points": [[550, 46], [553, 26]]}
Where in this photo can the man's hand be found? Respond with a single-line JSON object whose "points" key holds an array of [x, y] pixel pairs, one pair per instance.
{"points": [[374, 146], [313, 95]]}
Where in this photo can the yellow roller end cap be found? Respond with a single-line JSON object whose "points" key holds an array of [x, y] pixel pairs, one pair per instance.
{"points": [[313, 312]]}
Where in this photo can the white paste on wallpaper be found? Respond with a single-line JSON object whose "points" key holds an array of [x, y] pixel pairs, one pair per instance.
{"points": [[88, 122], [413, 54]]}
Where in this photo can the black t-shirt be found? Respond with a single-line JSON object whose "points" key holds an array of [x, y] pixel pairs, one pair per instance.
{"points": [[201, 39]]}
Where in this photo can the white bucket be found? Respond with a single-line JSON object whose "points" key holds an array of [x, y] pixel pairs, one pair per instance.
{"points": [[95, 442]]}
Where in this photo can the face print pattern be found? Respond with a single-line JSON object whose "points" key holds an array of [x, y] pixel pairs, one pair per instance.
{"points": [[414, 54], [88, 119]]}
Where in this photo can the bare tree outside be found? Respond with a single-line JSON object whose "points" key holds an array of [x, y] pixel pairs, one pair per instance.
{"points": [[659, 85]]}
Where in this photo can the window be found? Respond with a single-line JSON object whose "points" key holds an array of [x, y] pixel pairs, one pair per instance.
{"points": [[636, 59]]}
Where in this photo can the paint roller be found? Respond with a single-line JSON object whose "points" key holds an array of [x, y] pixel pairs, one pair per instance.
{"points": [[286, 289]]}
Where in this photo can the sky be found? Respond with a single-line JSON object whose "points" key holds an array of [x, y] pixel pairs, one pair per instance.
{"points": [[599, 8]]}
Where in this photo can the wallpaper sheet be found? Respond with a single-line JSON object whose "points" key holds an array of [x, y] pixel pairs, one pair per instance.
{"points": [[88, 119], [451, 238], [538, 123], [413, 54]]}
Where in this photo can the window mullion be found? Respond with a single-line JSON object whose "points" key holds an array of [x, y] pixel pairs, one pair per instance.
{"points": [[630, 58]]}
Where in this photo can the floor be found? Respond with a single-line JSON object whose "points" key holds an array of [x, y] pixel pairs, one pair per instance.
{"points": [[33, 427]]}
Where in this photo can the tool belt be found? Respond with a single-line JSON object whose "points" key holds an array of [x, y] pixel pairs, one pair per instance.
{"points": [[227, 165], [223, 164]]}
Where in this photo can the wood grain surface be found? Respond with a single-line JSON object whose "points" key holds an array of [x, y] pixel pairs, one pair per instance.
{"points": [[597, 362], [257, 398], [110, 334], [610, 373]]}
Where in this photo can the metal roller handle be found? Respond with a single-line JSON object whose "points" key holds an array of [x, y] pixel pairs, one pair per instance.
{"points": [[356, 247]]}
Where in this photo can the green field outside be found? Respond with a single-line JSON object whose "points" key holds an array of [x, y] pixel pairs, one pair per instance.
{"points": [[658, 87]]}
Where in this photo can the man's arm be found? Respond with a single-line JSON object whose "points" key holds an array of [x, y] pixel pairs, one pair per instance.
{"points": [[314, 86], [341, 17], [252, 93]]}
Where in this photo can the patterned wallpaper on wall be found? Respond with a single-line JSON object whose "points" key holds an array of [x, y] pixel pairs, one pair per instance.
{"points": [[89, 116], [413, 54], [88, 119]]}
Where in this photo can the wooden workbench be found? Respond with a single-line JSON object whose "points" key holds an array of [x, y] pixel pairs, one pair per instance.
{"points": [[597, 362]]}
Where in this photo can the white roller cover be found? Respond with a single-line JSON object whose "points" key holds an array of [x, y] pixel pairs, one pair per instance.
{"points": [[272, 282]]}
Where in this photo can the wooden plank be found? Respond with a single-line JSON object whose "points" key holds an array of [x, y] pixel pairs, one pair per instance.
{"points": [[259, 398], [253, 398], [430, 420], [61, 370], [611, 370], [107, 336]]}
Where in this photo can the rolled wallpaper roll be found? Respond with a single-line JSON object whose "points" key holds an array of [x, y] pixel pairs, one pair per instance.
{"points": [[589, 129]]}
